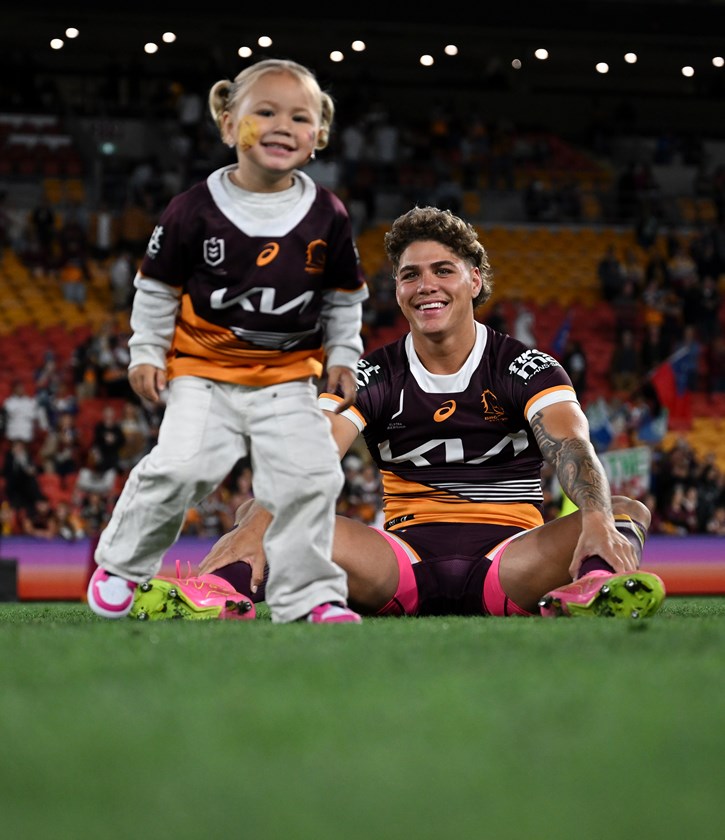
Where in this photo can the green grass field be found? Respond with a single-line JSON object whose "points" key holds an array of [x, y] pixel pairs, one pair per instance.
{"points": [[399, 728]]}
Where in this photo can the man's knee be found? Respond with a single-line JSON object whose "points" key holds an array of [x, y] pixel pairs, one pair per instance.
{"points": [[633, 508]]}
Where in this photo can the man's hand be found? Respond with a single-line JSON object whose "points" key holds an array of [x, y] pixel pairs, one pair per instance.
{"points": [[242, 544], [599, 537]]}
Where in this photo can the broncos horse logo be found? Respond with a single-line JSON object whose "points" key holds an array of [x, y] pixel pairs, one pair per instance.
{"points": [[491, 409]]}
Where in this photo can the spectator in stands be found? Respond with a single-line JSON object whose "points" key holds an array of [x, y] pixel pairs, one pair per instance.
{"points": [[9, 526], [610, 273], [110, 357], [211, 517], [362, 199], [496, 318], [680, 263], [43, 222], [73, 268], [716, 523], [687, 369], [83, 370], [120, 276], [71, 526], [94, 510], [678, 466], [21, 477], [62, 400], [47, 381], [136, 224], [241, 484], [74, 281], [647, 421], [710, 488], [715, 370], [62, 446], [680, 514], [633, 269], [624, 367], [654, 348], [575, 363], [702, 248], [524, 323], [93, 477], [385, 151], [656, 526], [23, 415], [39, 520], [353, 145], [627, 193], [626, 307], [707, 317], [539, 204], [109, 440]]}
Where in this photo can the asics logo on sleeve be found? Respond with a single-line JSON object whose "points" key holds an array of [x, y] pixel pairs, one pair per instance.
{"points": [[445, 411]]}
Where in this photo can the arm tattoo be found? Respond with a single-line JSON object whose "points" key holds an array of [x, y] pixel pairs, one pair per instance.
{"points": [[579, 471]]}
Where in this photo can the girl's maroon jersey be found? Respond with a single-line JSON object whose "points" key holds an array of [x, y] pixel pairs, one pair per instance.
{"points": [[253, 294], [457, 448]]}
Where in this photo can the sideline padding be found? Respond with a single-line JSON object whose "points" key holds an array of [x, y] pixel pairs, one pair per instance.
{"points": [[54, 570]]}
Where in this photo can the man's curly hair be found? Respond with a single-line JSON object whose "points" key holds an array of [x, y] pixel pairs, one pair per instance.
{"points": [[431, 223]]}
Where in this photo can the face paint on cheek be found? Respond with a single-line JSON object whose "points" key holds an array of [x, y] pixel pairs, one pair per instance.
{"points": [[247, 133]]}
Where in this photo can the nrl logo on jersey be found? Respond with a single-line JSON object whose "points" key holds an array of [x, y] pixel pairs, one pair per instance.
{"points": [[213, 251], [531, 362]]}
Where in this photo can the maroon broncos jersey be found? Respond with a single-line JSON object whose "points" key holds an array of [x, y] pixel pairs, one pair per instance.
{"points": [[252, 301], [457, 448]]}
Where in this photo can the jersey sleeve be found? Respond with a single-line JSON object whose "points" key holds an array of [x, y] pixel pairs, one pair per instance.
{"points": [[168, 256], [538, 380]]}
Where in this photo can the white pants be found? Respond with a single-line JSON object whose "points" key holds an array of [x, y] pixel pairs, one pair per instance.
{"points": [[207, 427]]}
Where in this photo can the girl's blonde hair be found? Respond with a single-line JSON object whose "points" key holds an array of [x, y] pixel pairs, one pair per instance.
{"points": [[224, 94]]}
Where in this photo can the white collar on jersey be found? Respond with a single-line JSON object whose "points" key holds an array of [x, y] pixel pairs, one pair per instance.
{"points": [[262, 214], [447, 383]]}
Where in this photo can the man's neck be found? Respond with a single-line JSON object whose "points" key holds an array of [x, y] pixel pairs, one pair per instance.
{"points": [[444, 356]]}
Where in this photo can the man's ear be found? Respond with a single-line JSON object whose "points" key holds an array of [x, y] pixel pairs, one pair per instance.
{"points": [[477, 282]]}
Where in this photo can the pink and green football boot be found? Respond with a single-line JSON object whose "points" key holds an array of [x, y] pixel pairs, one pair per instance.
{"points": [[632, 595], [202, 597]]}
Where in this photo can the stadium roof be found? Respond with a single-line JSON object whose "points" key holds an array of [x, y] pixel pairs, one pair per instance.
{"points": [[666, 35]]}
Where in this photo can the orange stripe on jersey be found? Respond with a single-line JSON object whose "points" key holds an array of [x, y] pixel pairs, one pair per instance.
{"points": [[558, 388], [201, 348], [412, 503], [326, 395]]}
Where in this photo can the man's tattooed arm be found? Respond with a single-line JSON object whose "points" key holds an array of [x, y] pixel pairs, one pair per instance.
{"points": [[578, 469]]}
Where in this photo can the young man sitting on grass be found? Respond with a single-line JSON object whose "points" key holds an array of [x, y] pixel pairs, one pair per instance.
{"points": [[459, 419]]}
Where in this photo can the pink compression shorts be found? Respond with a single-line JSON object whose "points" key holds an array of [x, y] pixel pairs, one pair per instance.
{"points": [[492, 599]]}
